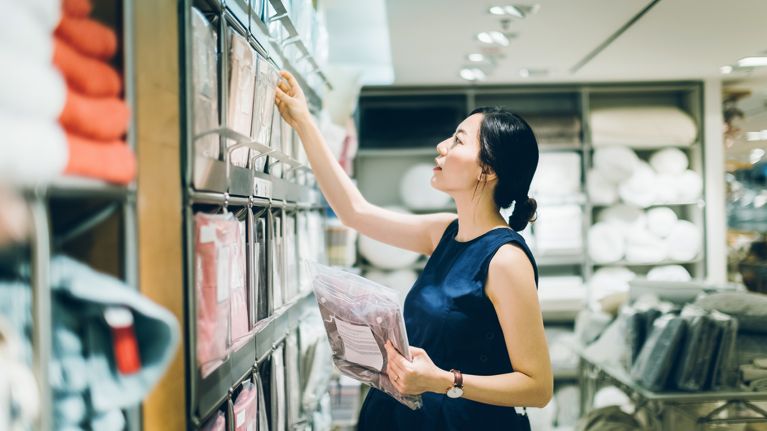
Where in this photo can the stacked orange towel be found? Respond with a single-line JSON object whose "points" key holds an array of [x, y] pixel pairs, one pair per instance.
{"points": [[94, 117]]}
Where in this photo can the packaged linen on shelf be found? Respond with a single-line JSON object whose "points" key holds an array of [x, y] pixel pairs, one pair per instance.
{"points": [[240, 326], [292, 380], [245, 409], [724, 373], [214, 235], [692, 368], [279, 415], [242, 68], [216, 423], [292, 268], [277, 256], [263, 107], [205, 84], [275, 142], [360, 317], [260, 278], [558, 174], [656, 359], [558, 230]]}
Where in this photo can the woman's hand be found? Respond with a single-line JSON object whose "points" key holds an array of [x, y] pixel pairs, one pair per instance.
{"points": [[291, 101], [417, 376]]}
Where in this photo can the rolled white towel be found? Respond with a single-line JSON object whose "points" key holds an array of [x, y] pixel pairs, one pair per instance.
{"points": [[31, 151], [666, 189], [616, 163], [671, 161], [601, 191], [669, 273], [661, 220], [416, 189], [684, 243], [627, 217], [689, 186], [33, 90], [557, 174], [640, 188], [606, 243], [644, 247], [606, 281]]}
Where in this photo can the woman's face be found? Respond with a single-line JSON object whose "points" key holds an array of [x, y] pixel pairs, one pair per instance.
{"points": [[457, 166]]}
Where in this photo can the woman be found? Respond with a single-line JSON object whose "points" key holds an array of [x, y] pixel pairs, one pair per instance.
{"points": [[474, 310]]}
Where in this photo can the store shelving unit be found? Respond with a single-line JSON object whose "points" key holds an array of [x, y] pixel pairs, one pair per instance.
{"points": [[214, 185]]}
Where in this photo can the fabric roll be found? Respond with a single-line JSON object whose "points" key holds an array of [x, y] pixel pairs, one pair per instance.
{"points": [[88, 36], [615, 163], [601, 191], [642, 126], [671, 161], [669, 273], [666, 189], [661, 220], [86, 75], [113, 162], [644, 247], [626, 217], [639, 189], [606, 243], [684, 243], [689, 186], [558, 174], [416, 189], [33, 151], [32, 90], [100, 119]]}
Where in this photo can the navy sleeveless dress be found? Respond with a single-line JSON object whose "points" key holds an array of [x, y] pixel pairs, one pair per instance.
{"points": [[449, 316]]}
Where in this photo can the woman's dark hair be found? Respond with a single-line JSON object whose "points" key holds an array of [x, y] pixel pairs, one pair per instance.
{"points": [[507, 146]]}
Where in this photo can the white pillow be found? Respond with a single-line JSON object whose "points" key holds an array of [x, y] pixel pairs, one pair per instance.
{"points": [[684, 242], [669, 161], [661, 221], [615, 163], [601, 191], [689, 186], [606, 243]]}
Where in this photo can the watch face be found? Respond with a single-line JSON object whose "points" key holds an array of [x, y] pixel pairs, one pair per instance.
{"points": [[455, 392]]}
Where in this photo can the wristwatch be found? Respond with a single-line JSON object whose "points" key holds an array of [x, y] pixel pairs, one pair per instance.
{"points": [[457, 390]]}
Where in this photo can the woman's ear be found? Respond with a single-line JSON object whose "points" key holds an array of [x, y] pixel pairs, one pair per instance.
{"points": [[487, 176]]}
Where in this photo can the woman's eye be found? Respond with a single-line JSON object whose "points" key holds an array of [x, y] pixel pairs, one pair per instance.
{"points": [[456, 141]]}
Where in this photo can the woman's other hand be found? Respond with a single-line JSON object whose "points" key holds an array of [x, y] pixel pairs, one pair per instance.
{"points": [[291, 101], [417, 376]]}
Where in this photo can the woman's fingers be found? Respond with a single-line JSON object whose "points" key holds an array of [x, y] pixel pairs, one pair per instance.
{"points": [[289, 77]]}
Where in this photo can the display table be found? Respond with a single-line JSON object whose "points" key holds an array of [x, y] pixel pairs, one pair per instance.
{"points": [[698, 408]]}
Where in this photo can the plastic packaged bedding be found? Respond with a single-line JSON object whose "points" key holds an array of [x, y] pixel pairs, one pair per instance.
{"points": [[724, 369], [359, 317], [653, 365], [698, 350]]}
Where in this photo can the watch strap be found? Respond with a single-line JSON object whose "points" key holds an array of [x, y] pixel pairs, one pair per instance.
{"points": [[458, 378]]}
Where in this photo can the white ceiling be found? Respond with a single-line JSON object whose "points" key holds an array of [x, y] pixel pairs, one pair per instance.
{"points": [[676, 39]]}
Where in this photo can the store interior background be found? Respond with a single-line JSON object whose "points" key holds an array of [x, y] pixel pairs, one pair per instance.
{"points": [[386, 81]]}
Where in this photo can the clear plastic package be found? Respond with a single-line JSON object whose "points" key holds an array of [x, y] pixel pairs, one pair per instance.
{"points": [[724, 372], [204, 84], [656, 359], [291, 258], [698, 351], [240, 328], [245, 408], [242, 69], [359, 317], [292, 380], [279, 418], [275, 142], [216, 423], [263, 106], [212, 284], [277, 262], [262, 269]]}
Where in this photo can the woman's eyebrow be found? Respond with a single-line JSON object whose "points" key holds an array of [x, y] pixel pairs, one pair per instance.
{"points": [[461, 131]]}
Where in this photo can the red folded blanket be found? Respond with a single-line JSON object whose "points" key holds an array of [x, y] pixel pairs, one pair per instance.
{"points": [[88, 36], [101, 119], [109, 161], [76, 8], [86, 75]]}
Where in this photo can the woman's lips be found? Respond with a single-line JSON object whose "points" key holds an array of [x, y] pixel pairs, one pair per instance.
{"points": [[437, 168]]}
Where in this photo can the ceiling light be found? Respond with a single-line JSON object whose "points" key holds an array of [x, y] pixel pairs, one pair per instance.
{"points": [[476, 58], [524, 73], [757, 136], [493, 37], [726, 69], [472, 74], [756, 155], [515, 11], [752, 62]]}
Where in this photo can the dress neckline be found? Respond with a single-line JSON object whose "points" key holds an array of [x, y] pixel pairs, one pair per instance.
{"points": [[476, 237]]}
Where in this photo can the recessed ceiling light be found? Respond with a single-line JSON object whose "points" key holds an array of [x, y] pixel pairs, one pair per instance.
{"points": [[472, 74], [476, 58], [756, 136], [493, 37], [726, 69], [752, 62], [756, 155], [515, 11]]}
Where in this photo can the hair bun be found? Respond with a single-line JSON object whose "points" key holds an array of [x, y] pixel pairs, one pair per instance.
{"points": [[524, 212]]}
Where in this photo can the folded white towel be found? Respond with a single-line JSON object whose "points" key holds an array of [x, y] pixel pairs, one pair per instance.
{"points": [[33, 90], [601, 191], [661, 220], [31, 151], [642, 126], [689, 186], [684, 242], [616, 163], [606, 243], [666, 189], [669, 273], [557, 174], [416, 189], [644, 247], [558, 229], [669, 161], [640, 188], [627, 217]]}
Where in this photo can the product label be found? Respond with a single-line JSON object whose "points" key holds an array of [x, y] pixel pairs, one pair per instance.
{"points": [[223, 272], [207, 234], [240, 420], [360, 346]]}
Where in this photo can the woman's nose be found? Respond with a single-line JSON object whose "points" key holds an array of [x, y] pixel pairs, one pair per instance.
{"points": [[442, 149]]}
